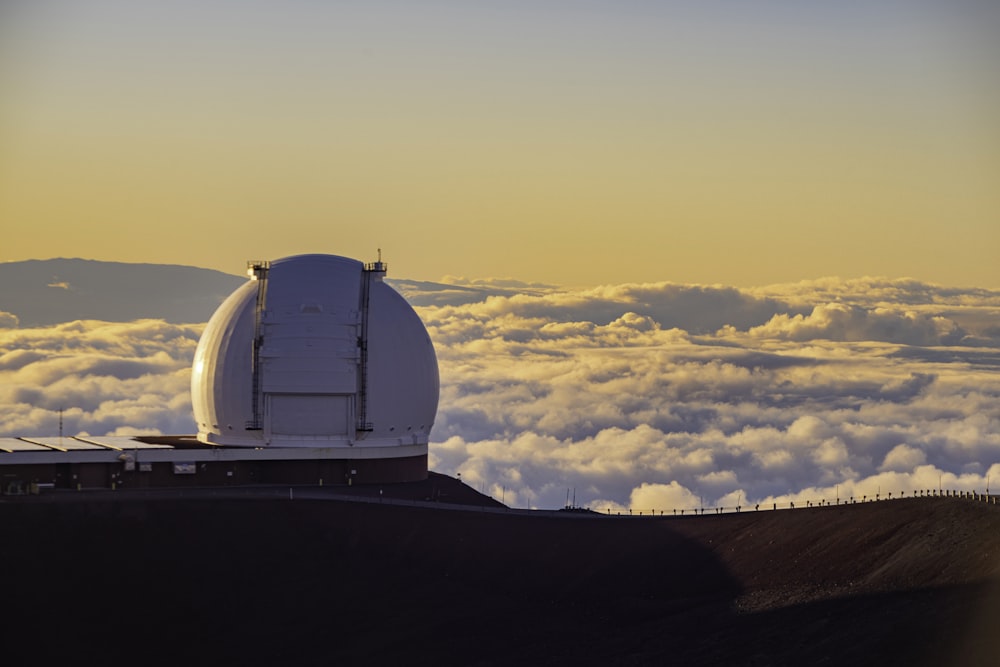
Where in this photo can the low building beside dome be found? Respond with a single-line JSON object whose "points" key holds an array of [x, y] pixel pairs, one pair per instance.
{"points": [[29, 465]]}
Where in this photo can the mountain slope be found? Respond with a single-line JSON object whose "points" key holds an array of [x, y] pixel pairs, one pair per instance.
{"points": [[271, 581], [43, 292]]}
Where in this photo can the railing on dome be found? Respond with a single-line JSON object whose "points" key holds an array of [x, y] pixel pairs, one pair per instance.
{"points": [[370, 269], [258, 271]]}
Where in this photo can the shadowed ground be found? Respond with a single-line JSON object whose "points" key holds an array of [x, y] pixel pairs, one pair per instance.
{"points": [[256, 580]]}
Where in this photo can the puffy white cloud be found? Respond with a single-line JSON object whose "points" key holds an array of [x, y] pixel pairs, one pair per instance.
{"points": [[843, 322], [660, 496], [879, 290], [107, 378], [902, 458]]}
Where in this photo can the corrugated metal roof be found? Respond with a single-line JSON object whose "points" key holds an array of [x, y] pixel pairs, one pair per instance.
{"points": [[65, 444], [18, 445], [121, 442]]}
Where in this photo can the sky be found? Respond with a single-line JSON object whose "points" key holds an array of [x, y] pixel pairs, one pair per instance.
{"points": [[574, 143]]}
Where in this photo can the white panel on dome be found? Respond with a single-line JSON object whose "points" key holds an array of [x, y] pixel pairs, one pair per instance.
{"points": [[309, 355], [18, 445], [313, 415], [314, 376]]}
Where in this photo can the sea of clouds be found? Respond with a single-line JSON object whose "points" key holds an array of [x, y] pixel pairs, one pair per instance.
{"points": [[656, 396]]}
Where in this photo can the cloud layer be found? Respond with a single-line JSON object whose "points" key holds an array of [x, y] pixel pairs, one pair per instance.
{"points": [[106, 377], [655, 396], [666, 396]]}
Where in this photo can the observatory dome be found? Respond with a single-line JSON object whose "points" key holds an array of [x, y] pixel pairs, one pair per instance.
{"points": [[315, 351]]}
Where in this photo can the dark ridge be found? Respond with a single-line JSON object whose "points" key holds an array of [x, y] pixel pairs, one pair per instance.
{"points": [[436, 488], [46, 292], [151, 580]]}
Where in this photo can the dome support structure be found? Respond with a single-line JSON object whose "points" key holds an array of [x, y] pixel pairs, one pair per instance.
{"points": [[258, 271], [372, 271]]}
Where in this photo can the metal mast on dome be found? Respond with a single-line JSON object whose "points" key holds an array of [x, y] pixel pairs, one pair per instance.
{"points": [[373, 272]]}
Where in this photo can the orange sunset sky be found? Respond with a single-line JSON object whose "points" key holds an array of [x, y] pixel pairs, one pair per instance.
{"points": [[575, 142]]}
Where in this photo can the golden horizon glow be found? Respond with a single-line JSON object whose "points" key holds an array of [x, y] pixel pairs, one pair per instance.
{"points": [[571, 143]]}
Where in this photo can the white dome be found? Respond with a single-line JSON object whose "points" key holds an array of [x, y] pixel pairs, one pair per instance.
{"points": [[342, 360]]}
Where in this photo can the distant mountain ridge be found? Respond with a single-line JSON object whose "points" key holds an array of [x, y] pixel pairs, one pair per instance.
{"points": [[42, 292], [49, 291]]}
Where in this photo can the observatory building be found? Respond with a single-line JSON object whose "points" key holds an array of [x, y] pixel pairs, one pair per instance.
{"points": [[313, 371], [316, 351]]}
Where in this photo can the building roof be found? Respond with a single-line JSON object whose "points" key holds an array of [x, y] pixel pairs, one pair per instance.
{"points": [[175, 448]]}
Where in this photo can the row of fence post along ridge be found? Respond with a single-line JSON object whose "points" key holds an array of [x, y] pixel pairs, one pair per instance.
{"points": [[759, 507]]}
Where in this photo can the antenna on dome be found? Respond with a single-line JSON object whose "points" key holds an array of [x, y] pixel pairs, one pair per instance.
{"points": [[378, 267]]}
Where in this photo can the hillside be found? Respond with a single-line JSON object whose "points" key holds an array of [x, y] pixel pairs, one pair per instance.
{"points": [[44, 292], [278, 581]]}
